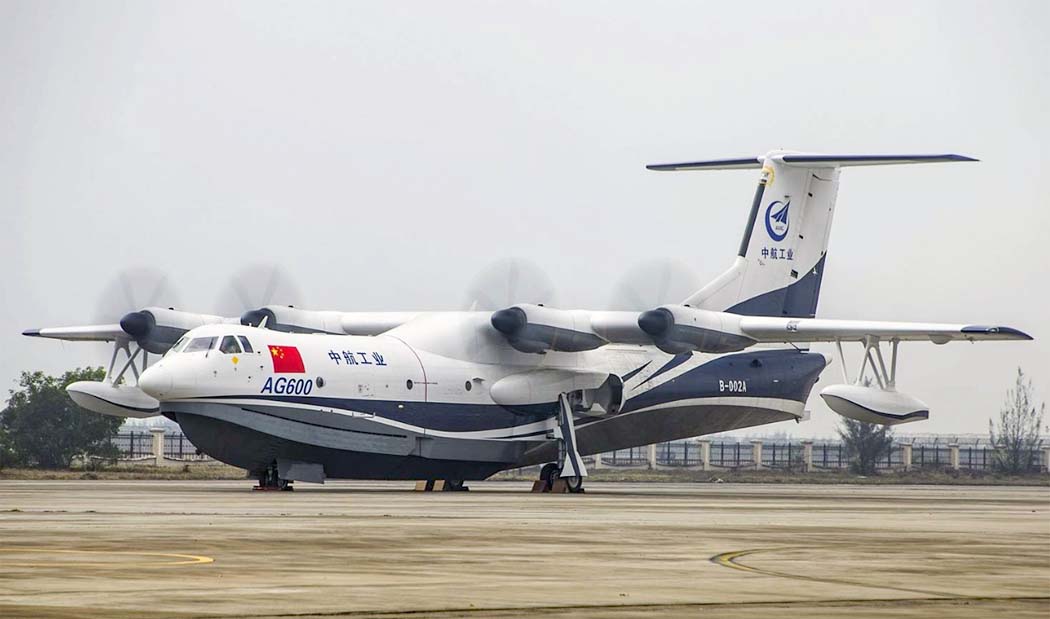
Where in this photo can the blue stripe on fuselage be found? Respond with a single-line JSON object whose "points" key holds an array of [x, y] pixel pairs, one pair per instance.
{"points": [[787, 374]]}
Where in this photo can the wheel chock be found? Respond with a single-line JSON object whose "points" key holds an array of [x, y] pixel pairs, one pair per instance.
{"points": [[430, 485]]}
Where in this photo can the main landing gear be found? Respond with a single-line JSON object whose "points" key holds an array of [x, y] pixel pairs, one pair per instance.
{"points": [[270, 481], [568, 472]]}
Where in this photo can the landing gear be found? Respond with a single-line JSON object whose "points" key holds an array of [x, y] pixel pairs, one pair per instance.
{"points": [[553, 481], [568, 472], [269, 480], [549, 474], [570, 463], [441, 485], [455, 485]]}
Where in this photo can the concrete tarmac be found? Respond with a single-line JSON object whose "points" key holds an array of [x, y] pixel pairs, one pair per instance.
{"points": [[119, 549]]}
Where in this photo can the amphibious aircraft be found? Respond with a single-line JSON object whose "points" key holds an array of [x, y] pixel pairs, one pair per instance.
{"points": [[294, 394]]}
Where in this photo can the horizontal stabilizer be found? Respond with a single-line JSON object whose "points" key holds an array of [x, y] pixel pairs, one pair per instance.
{"points": [[90, 333], [787, 330], [807, 160], [744, 163], [839, 161]]}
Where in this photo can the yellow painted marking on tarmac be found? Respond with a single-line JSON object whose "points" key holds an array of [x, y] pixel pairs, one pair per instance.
{"points": [[730, 560], [180, 559]]}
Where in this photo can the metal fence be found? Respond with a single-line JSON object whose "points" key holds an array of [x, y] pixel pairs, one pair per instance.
{"points": [[178, 446], [789, 455], [134, 444], [724, 454]]}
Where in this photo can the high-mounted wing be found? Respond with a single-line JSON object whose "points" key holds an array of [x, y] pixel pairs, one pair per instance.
{"points": [[296, 320], [155, 329], [795, 330], [89, 333], [679, 329]]}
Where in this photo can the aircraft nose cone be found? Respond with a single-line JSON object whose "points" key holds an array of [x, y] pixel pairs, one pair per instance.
{"points": [[156, 381]]}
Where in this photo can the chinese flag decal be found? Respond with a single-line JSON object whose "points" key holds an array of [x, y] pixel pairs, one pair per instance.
{"points": [[287, 360]]}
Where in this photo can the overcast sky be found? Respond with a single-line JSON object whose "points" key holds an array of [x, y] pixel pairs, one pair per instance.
{"points": [[384, 153]]}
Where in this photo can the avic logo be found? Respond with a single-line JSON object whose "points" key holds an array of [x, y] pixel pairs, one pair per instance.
{"points": [[777, 223]]}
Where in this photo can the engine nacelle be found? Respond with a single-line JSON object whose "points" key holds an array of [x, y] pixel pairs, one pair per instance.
{"points": [[156, 329], [678, 329], [294, 320], [537, 329], [873, 405], [594, 393]]}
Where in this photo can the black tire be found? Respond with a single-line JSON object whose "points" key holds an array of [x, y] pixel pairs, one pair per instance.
{"points": [[550, 474], [575, 484], [454, 485]]}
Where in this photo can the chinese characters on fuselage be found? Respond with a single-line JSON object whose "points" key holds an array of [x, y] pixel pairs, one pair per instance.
{"points": [[347, 357]]}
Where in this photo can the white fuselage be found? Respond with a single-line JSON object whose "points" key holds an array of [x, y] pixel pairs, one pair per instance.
{"points": [[420, 396]]}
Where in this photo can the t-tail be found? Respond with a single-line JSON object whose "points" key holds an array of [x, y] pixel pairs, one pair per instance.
{"points": [[780, 264]]}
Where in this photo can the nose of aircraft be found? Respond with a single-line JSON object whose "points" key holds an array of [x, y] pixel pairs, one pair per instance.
{"points": [[156, 381]]}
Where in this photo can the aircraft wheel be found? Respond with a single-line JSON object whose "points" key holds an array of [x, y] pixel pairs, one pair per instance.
{"points": [[455, 485], [575, 484], [550, 473]]}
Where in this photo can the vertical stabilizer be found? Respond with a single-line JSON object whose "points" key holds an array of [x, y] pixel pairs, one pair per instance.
{"points": [[780, 263]]}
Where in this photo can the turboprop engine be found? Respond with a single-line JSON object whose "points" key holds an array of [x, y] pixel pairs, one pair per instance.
{"points": [[678, 329], [156, 329], [537, 329], [874, 405]]}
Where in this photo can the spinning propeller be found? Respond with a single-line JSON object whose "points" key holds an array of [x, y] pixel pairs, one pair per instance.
{"points": [[510, 281], [137, 289], [254, 287], [654, 283]]}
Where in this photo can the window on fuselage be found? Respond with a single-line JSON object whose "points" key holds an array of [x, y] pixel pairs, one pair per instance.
{"points": [[245, 343], [229, 346], [199, 344]]}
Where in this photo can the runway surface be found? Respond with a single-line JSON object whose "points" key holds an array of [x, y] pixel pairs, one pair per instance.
{"points": [[216, 549]]}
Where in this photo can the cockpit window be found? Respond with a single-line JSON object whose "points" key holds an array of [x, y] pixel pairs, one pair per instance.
{"points": [[178, 346], [229, 346], [198, 344], [244, 342]]}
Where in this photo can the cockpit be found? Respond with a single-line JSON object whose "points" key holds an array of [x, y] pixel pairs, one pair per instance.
{"points": [[226, 344]]}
